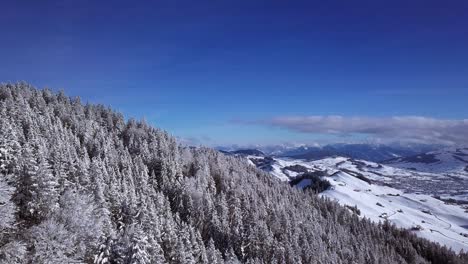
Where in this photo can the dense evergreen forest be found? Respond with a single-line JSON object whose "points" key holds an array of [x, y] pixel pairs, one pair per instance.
{"points": [[80, 183]]}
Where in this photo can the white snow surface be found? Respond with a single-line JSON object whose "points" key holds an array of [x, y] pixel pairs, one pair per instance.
{"points": [[436, 220], [406, 207], [453, 160]]}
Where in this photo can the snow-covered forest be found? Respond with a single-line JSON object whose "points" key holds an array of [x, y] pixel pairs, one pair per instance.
{"points": [[79, 183]]}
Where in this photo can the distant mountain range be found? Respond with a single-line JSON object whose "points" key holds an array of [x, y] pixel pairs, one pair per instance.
{"points": [[252, 152], [447, 160], [370, 152]]}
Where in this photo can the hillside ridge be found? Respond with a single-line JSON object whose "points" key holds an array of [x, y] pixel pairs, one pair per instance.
{"points": [[79, 183]]}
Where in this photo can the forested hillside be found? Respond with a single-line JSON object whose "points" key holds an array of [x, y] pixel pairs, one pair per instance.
{"points": [[80, 183]]}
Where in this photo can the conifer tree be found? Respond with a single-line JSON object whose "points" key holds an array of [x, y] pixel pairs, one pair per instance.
{"points": [[7, 208]]}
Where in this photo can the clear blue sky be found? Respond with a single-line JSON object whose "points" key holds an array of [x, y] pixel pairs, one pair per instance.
{"points": [[202, 69]]}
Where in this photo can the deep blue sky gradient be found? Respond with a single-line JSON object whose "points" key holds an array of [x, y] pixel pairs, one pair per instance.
{"points": [[194, 67]]}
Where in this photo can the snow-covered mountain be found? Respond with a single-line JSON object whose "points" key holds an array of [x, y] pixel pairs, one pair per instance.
{"points": [[453, 161], [371, 152], [380, 192], [255, 152], [80, 184]]}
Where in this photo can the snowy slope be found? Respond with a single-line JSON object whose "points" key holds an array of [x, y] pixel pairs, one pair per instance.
{"points": [[403, 204], [452, 161], [429, 217], [444, 185]]}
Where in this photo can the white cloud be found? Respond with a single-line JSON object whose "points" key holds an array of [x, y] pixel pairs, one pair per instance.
{"points": [[398, 128]]}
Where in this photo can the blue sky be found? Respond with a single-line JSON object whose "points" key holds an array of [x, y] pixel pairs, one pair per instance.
{"points": [[223, 72]]}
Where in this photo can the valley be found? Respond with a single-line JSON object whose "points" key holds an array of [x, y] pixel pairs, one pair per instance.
{"points": [[431, 205]]}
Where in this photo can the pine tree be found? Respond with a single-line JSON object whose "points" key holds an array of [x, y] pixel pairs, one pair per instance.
{"points": [[52, 243], [103, 255], [78, 215], [9, 148], [140, 248], [13, 252], [7, 208], [231, 257], [25, 186], [213, 254], [45, 190]]}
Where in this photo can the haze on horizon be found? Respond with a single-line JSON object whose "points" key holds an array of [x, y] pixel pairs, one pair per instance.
{"points": [[269, 72]]}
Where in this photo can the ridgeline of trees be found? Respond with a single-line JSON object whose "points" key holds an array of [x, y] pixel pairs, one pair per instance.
{"points": [[79, 183]]}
